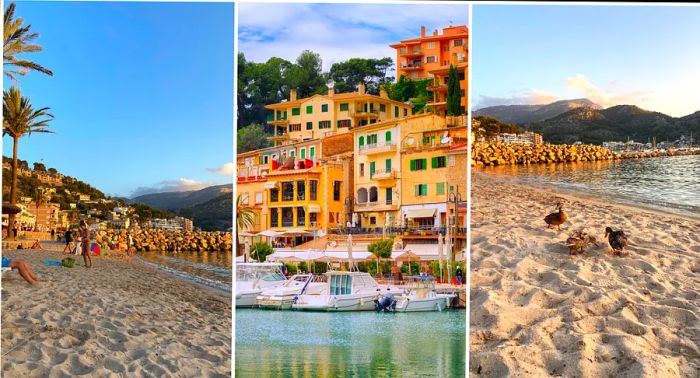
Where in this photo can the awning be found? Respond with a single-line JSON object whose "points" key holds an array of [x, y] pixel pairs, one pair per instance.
{"points": [[420, 213], [270, 185], [426, 252], [314, 209]]}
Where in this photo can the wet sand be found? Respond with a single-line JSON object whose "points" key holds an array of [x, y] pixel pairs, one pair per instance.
{"points": [[537, 311], [117, 319]]}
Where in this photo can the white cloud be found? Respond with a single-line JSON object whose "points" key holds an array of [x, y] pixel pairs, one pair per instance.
{"points": [[179, 185], [224, 170], [605, 97], [337, 31]]}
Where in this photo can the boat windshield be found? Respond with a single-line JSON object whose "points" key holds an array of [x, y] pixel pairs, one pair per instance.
{"points": [[265, 273], [341, 284]]}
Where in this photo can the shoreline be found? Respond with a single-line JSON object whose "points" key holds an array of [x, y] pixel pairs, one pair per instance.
{"points": [[537, 310], [119, 318]]}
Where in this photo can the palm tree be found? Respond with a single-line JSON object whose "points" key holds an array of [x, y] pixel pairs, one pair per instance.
{"points": [[244, 220], [20, 119], [17, 40]]}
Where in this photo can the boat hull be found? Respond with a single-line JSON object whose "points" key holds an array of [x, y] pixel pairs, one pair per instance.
{"points": [[247, 298], [421, 305], [336, 303]]}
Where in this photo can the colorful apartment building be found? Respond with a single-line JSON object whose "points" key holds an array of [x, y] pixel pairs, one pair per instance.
{"points": [[323, 115], [430, 57]]}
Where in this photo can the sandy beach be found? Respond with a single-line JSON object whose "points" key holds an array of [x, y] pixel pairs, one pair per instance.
{"points": [[537, 311], [115, 320]]}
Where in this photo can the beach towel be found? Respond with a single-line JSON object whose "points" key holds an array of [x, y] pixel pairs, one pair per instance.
{"points": [[95, 249], [53, 262]]}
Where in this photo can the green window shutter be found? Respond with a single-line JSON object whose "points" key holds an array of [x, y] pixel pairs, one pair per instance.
{"points": [[296, 111], [452, 188], [417, 190], [303, 153], [371, 169], [440, 188], [425, 163], [292, 153], [396, 112], [387, 136], [338, 124], [432, 139], [413, 165], [344, 107], [324, 108], [309, 109], [312, 152], [388, 165], [309, 125], [425, 189], [362, 141], [433, 163]]}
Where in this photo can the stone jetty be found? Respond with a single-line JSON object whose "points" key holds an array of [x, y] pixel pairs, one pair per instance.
{"points": [[161, 240]]}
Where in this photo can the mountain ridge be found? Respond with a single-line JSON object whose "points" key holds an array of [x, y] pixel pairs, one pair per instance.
{"points": [[180, 200]]}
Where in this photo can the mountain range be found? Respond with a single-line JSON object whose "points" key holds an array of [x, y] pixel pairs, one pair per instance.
{"points": [[582, 120], [179, 200]]}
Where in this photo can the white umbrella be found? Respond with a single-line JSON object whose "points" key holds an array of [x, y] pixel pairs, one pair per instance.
{"points": [[354, 219], [352, 262], [441, 242], [268, 233], [246, 250]]}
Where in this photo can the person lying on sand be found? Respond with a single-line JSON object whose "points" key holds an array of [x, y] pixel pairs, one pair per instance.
{"points": [[22, 267], [37, 245]]}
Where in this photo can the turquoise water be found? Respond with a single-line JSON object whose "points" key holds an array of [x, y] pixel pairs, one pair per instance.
{"points": [[361, 344], [667, 183]]}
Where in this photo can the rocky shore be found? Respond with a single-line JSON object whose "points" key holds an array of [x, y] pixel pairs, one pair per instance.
{"points": [[146, 240], [491, 154]]}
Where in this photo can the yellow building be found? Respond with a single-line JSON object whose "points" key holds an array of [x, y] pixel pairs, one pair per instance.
{"points": [[323, 115], [380, 184]]}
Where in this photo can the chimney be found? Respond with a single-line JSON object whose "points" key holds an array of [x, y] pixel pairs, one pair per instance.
{"points": [[292, 94], [361, 88], [422, 31], [382, 93], [435, 33], [331, 91]]}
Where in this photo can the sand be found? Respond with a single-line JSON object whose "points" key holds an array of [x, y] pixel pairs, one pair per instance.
{"points": [[118, 319], [536, 311]]}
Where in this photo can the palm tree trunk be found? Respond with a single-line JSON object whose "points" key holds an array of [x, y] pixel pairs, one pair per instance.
{"points": [[13, 188]]}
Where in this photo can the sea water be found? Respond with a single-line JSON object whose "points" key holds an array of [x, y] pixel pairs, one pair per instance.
{"points": [[212, 269], [667, 183], [361, 344]]}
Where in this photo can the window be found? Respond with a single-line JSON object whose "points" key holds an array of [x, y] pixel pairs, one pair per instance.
{"points": [[440, 188], [258, 197], [303, 153], [372, 220], [287, 216], [274, 217], [312, 219], [336, 190], [362, 195], [301, 190], [274, 195], [461, 77], [362, 141], [244, 198], [312, 152], [362, 169], [405, 112], [292, 153], [324, 108], [431, 59], [296, 111], [387, 165], [330, 218], [371, 169], [421, 190], [457, 42], [382, 108], [396, 111], [287, 191], [419, 164], [438, 162], [309, 109], [451, 160], [387, 136], [430, 45], [313, 188], [388, 194], [301, 216], [344, 123], [324, 124], [373, 194], [371, 139], [452, 188], [295, 127], [344, 107], [265, 159], [309, 125]]}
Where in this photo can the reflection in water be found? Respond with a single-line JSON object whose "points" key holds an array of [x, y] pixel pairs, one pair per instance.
{"points": [[364, 344], [671, 184], [211, 268]]}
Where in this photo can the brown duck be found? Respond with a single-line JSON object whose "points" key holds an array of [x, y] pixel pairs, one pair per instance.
{"points": [[616, 239], [578, 241], [556, 219]]}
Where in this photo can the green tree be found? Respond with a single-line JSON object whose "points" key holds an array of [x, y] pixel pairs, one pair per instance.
{"points": [[18, 40], [244, 220], [260, 251], [306, 75], [52, 171], [252, 137], [414, 91], [39, 167], [260, 84], [371, 72], [381, 249], [20, 119], [453, 93]]}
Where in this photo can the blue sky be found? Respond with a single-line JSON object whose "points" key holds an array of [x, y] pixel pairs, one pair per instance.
{"points": [[142, 93], [646, 56], [337, 31]]}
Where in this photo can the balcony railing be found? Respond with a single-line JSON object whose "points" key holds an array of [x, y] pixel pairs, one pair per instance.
{"points": [[412, 52], [378, 147], [288, 197], [411, 66], [364, 113], [384, 175]]}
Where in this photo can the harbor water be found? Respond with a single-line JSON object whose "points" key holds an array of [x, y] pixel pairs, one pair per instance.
{"points": [[667, 183], [361, 344], [212, 269]]}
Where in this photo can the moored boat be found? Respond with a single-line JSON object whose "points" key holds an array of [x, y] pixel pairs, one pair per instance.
{"points": [[253, 278]]}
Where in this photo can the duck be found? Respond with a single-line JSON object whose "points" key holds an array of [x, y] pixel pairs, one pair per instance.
{"points": [[579, 240], [556, 219], [616, 239]]}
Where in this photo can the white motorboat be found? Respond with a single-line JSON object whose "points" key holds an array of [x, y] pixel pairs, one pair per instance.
{"points": [[344, 291], [281, 297], [420, 295], [253, 278]]}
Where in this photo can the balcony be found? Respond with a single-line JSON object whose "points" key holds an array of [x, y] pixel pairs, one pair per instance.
{"points": [[437, 88], [411, 53], [375, 206], [372, 113], [377, 148], [280, 121], [411, 67], [384, 175]]}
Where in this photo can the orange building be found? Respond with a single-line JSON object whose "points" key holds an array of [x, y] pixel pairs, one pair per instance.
{"points": [[430, 57]]}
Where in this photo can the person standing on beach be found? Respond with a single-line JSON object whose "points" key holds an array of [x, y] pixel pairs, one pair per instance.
{"points": [[69, 239], [84, 234], [15, 226], [130, 244]]}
